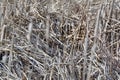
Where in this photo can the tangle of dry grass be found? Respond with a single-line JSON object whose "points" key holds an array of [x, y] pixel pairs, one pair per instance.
{"points": [[59, 40]]}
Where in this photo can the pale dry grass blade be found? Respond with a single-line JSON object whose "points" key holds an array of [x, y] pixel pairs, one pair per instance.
{"points": [[30, 27], [3, 32]]}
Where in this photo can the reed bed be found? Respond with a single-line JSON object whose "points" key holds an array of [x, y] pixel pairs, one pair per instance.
{"points": [[59, 40]]}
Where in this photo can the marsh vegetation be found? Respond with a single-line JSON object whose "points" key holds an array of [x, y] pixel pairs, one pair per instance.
{"points": [[60, 40]]}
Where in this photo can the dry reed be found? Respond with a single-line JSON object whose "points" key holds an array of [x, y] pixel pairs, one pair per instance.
{"points": [[60, 40]]}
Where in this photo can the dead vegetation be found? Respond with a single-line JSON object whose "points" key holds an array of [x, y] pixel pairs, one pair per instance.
{"points": [[60, 40]]}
